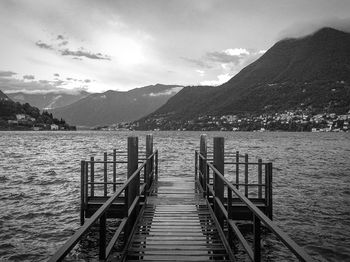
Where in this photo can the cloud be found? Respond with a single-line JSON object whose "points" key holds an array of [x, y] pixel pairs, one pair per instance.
{"points": [[36, 87], [10, 84], [231, 55], [78, 54], [228, 55], [63, 43], [57, 75], [301, 29], [7, 73], [62, 40], [237, 51], [220, 80], [81, 53], [224, 64], [43, 45], [170, 91], [28, 77], [197, 62], [200, 72], [87, 80]]}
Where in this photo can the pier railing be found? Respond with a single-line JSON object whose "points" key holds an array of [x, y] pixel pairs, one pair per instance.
{"points": [[209, 173], [131, 191], [253, 178]]}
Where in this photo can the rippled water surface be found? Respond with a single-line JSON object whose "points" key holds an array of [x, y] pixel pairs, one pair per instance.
{"points": [[40, 184]]}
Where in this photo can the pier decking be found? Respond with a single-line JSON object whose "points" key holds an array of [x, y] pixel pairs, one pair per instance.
{"points": [[176, 226], [179, 217]]}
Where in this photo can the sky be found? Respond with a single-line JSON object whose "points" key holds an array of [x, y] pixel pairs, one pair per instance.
{"points": [[72, 45]]}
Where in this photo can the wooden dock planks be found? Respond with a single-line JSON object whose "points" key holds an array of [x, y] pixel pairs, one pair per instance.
{"points": [[176, 226]]}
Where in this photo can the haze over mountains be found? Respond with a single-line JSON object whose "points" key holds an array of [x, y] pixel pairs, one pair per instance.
{"points": [[112, 106], [50, 100], [310, 73]]}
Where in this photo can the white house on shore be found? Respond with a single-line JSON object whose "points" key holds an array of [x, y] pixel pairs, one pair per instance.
{"points": [[54, 127], [20, 116]]}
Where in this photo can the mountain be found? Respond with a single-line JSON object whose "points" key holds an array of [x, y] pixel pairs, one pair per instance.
{"points": [[17, 116], [309, 73], [49, 100], [4, 97], [113, 106]]}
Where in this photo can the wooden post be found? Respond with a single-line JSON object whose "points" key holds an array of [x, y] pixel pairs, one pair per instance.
{"points": [[133, 188], [266, 190], [149, 165], [105, 174], [259, 178], [246, 175], [195, 165], [145, 176], [133, 148], [102, 240], [92, 176], [218, 183], [229, 213], [257, 237], [207, 175], [269, 172], [156, 167], [114, 170], [86, 182], [203, 162], [237, 169], [82, 192]]}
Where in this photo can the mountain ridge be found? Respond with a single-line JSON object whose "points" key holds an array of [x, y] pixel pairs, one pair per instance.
{"points": [[312, 72], [50, 100], [116, 106]]}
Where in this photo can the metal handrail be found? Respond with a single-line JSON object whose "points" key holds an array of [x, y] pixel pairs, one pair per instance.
{"points": [[289, 243], [68, 246]]}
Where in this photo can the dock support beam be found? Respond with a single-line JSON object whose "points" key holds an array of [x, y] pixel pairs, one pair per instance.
{"points": [[149, 165], [268, 179], [103, 234], [237, 169], [133, 189], [219, 156], [114, 170], [92, 176], [202, 163], [257, 238], [82, 193]]}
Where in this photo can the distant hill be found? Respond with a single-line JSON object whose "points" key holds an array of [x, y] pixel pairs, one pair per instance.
{"points": [[17, 116], [49, 100], [310, 73], [113, 106]]}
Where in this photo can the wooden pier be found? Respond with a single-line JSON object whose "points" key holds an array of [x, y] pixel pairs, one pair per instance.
{"points": [[176, 225], [176, 218]]}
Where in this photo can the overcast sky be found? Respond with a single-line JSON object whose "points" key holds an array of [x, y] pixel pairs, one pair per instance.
{"points": [[120, 45]]}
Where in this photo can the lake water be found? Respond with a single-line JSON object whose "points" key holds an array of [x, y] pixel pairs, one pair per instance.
{"points": [[40, 184]]}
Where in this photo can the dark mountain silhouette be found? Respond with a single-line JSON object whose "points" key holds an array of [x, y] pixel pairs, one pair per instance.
{"points": [[49, 100], [113, 106], [312, 72], [4, 97], [30, 116]]}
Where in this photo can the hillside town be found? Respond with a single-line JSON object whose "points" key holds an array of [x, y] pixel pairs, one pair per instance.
{"points": [[27, 122], [297, 120]]}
